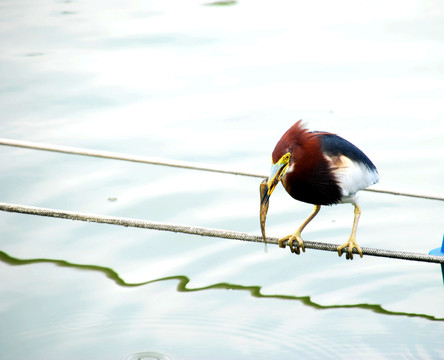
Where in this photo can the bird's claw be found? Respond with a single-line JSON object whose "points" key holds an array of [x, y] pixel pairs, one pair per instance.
{"points": [[289, 239], [350, 244]]}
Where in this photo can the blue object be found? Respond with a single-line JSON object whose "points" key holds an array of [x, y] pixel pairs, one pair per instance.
{"points": [[439, 252]]}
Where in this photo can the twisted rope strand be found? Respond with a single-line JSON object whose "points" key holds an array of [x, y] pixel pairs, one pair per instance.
{"points": [[197, 230], [172, 163]]}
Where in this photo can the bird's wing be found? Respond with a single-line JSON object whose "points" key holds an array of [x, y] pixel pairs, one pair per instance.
{"points": [[333, 145], [352, 168]]}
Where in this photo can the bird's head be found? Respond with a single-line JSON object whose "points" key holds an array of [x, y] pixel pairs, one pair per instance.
{"points": [[287, 156]]}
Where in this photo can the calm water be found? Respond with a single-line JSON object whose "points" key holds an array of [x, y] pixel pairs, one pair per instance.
{"points": [[219, 85]]}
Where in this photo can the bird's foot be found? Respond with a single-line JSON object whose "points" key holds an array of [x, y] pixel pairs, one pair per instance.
{"points": [[350, 244], [290, 240]]}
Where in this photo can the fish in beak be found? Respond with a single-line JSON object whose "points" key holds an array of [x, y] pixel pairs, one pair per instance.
{"points": [[264, 206]]}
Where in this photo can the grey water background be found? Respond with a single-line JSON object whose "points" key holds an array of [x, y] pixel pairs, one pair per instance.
{"points": [[217, 85]]}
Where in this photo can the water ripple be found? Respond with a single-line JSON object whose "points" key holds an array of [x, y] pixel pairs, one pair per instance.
{"points": [[147, 355], [86, 321]]}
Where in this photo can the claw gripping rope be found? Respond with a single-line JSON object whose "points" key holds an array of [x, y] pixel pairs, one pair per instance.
{"points": [[194, 230]]}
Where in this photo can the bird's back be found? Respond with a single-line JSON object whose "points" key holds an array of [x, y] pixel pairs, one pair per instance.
{"points": [[352, 168]]}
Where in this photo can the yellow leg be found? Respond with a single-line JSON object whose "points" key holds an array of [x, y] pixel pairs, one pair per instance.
{"points": [[297, 234], [351, 243]]}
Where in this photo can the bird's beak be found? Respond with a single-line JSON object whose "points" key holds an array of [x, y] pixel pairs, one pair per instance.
{"points": [[276, 173], [268, 185]]}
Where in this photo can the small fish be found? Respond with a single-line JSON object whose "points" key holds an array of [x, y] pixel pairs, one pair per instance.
{"points": [[264, 207]]}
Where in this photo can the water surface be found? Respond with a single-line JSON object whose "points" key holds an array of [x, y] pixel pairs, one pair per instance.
{"points": [[219, 85]]}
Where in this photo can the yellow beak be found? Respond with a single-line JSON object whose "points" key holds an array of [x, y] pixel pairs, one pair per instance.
{"points": [[276, 173]]}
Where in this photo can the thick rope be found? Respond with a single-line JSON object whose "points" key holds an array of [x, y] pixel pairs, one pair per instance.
{"points": [[197, 230], [172, 163]]}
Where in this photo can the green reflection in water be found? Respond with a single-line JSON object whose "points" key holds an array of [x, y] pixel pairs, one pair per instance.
{"points": [[221, 3], [183, 282]]}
